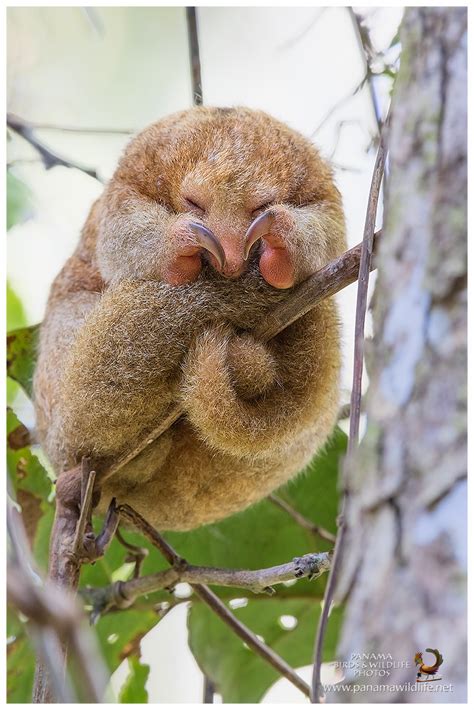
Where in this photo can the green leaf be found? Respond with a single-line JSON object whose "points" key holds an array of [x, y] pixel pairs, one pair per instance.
{"points": [[241, 676], [16, 316], [19, 203], [20, 661], [21, 356], [43, 536], [260, 537], [13, 389], [133, 690], [32, 488], [25, 470], [120, 633]]}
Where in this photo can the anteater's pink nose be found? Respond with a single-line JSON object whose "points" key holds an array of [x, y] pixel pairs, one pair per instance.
{"points": [[234, 265]]}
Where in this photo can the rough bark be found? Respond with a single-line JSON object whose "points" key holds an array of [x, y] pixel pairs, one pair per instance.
{"points": [[404, 567]]}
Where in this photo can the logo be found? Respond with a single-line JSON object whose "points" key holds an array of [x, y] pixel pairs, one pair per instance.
{"points": [[425, 669]]}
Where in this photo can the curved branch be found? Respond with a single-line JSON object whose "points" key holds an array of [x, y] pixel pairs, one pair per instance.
{"points": [[49, 157]]}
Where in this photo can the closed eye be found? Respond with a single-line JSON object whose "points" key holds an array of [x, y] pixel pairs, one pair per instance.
{"points": [[194, 205], [259, 210]]}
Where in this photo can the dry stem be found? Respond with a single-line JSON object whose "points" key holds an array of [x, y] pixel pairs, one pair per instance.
{"points": [[356, 398], [300, 519], [123, 594]]}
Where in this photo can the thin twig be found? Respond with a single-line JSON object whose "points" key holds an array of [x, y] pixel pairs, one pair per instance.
{"points": [[326, 282], [367, 51], [339, 126], [49, 157], [363, 282], [300, 519], [40, 126], [345, 409], [87, 491], [294, 40], [194, 57], [345, 168], [136, 554], [252, 641], [340, 103], [55, 679], [362, 291], [213, 601], [138, 521], [123, 594]]}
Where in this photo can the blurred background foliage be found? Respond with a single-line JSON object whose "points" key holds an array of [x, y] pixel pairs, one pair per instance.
{"points": [[105, 73]]}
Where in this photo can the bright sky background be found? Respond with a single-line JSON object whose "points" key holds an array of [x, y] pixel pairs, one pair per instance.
{"points": [[120, 67]]}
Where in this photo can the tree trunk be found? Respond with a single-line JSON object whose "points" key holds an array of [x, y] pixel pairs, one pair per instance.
{"points": [[404, 566]]}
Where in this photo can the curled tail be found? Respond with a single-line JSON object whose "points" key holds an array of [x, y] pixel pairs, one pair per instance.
{"points": [[252, 399]]}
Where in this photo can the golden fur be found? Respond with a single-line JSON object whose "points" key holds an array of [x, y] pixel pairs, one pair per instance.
{"points": [[119, 344]]}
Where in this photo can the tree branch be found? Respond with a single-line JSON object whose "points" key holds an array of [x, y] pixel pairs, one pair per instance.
{"points": [[124, 594], [50, 158], [39, 126], [54, 620], [252, 641], [213, 601], [356, 397], [194, 55], [300, 519], [345, 409], [367, 52], [72, 544], [135, 554]]}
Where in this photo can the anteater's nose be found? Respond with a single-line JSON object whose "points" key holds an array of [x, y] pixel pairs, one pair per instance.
{"points": [[233, 270], [234, 265]]}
